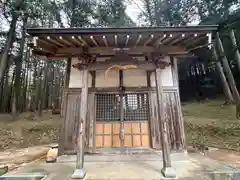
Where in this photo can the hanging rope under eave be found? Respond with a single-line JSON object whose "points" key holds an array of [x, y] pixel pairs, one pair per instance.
{"points": [[124, 67]]}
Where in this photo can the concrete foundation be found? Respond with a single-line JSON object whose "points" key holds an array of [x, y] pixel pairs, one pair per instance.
{"points": [[130, 167]]}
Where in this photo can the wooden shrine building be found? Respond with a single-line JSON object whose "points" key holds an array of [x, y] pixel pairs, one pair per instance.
{"points": [[121, 87]]}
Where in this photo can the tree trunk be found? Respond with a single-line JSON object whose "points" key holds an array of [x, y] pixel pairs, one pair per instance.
{"points": [[236, 51], [18, 63], [226, 88], [38, 90], [44, 86], [4, 57], [228, 70], [10, 37], [34, 86]]}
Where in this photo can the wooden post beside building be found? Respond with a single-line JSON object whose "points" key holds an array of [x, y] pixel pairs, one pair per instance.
{"points": [[167, 170], [219, 67], [80, 173], [228, 70]]}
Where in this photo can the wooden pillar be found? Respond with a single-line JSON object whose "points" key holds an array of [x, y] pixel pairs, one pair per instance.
{"points": [[225, 85], [80, 173], [228, 70], [167, 170]]}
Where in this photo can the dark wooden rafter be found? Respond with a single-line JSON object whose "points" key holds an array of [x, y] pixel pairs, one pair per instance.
{"points": [[159, 40], [189, 39], [105, 41], [116, 40], [82, 40], [94, 41], [169, 38], [182, 38], [76, 41], [54, 41], [174, 38], [138, 40], [150, 38], [192, 43], [127, 40], [41, 43], [64, 41]]}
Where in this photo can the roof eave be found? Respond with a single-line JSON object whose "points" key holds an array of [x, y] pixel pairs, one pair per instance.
{"points": [[95, 31]]}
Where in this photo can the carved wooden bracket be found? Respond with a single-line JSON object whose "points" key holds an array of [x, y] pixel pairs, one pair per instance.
{"points": [[122, 56], [162, 64], [158, 60], [80, 66]]}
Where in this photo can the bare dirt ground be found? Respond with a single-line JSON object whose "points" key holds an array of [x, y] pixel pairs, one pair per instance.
{"points": [[28, 130], [225, 156]]}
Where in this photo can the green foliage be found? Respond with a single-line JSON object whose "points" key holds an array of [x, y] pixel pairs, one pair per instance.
{"points": [[111, 13]]}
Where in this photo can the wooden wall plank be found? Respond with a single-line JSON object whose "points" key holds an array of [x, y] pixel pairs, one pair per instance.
{"points": [[173, 115], [71, 113], [91, 122]]}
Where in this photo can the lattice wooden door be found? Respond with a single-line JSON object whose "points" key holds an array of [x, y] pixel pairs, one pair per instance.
{"points": [[122, 120]]}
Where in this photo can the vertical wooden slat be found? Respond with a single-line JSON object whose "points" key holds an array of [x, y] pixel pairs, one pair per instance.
{"points": [[91, 119], [71, 113], [155, 132], [62, 126], [148, 75], [179, 119]]}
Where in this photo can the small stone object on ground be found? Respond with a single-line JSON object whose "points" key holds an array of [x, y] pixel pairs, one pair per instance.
{"points": [[52, 154]]}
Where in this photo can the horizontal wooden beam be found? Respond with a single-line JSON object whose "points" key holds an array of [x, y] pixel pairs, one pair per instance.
{"points": [[166, 89], [105, 65], [112, 50]]}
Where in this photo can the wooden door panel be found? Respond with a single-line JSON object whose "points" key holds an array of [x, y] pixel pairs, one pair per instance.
{"points": [[107, 141], [145, 140], [116, 141], [116, 128], [135, 128], [128, 141], [136, 134], [136, 140], [99, 129], [144, 128], [127, 128], [108, 128], [99, 141]]}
